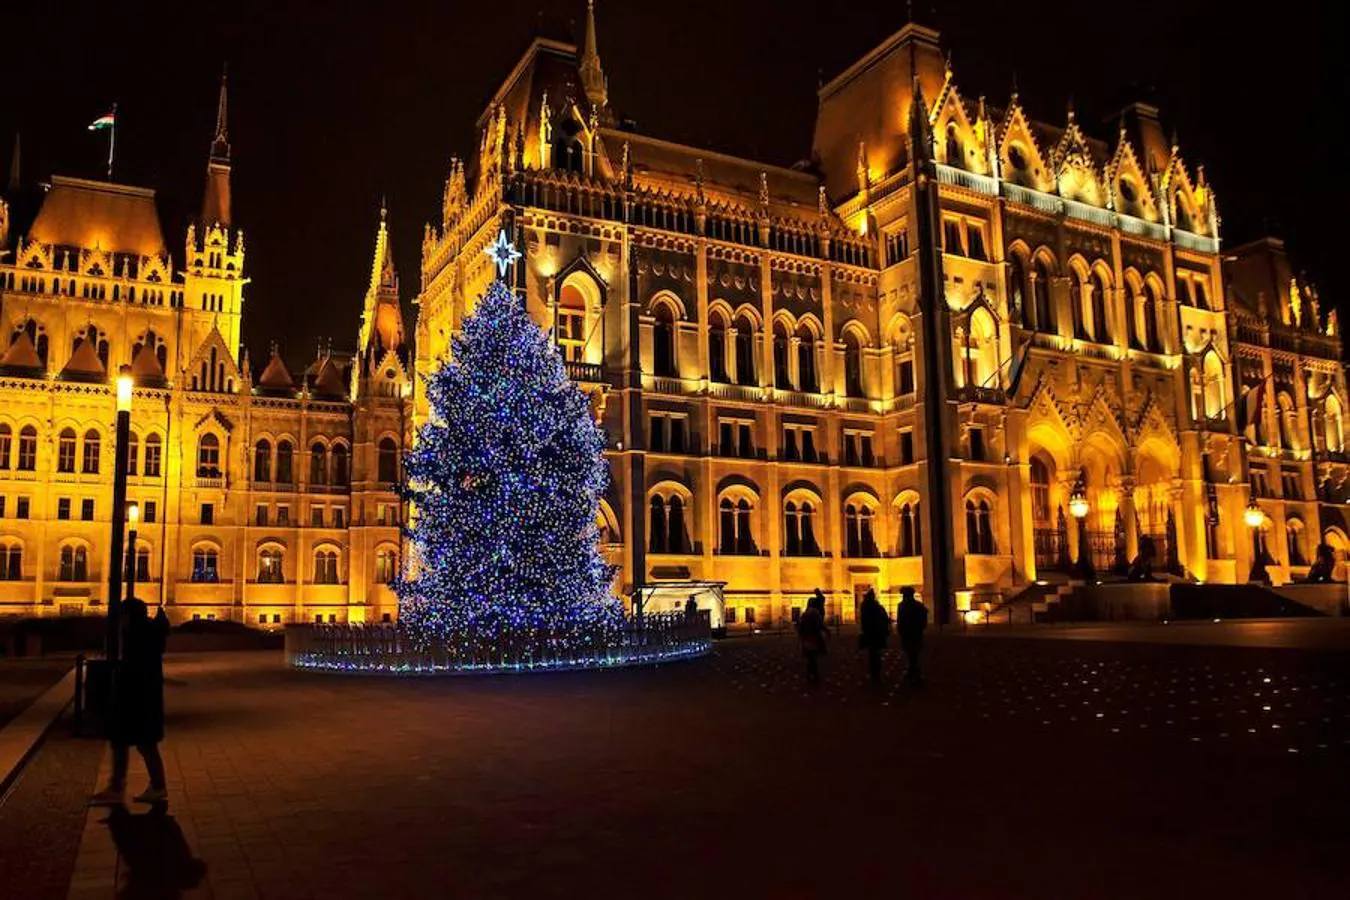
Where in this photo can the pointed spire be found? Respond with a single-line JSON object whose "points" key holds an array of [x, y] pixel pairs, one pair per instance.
{"points": [[216, 202], [592, 75], [382, 319], [1013, 96], [220, 143], [276, 377]]}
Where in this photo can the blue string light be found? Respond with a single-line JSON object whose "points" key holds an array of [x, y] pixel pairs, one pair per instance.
{"points": [[505, 482]]}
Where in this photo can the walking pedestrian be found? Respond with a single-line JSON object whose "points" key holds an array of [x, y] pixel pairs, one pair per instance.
{"points": [[138, 705], [811, 632], [911, 618], [876, 628]]}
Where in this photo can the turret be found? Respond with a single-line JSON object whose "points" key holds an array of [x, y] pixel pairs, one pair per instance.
{"points": [[382, 319]]}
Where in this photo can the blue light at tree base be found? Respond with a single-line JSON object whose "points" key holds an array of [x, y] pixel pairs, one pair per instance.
{"points": [[505, 481]]}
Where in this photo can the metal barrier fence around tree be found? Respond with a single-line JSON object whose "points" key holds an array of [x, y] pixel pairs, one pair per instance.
{"points": [[391, 649]]}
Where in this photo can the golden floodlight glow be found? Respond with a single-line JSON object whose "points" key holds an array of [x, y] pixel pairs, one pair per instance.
{"points": [[124, 386]]}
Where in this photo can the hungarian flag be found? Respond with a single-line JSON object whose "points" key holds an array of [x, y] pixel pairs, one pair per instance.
{"points": [[107, 120], [1252, 402]]}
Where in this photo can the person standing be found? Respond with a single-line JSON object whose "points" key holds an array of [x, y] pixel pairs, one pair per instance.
{"points": [[138, 705], [876, 628], [811, 632], [911, 619]]}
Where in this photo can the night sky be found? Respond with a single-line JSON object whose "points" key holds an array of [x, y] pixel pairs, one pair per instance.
{"points": [[333, 105]]}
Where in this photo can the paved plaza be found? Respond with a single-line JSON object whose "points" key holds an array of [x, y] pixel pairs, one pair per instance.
{"points": [[1064, 763]]}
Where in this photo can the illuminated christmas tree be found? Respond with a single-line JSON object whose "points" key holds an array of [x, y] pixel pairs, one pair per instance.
{"points": [[505, 480]]}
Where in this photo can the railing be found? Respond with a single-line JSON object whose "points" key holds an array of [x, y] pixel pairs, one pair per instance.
{"points": [[982, 184], [1051, 554], [1047, 203], [1132, 225], [1075, 209], [855, 404], [662, 384], [584, 372], [393, 649], [1102, 544], [1189, 241], [742, 392]]}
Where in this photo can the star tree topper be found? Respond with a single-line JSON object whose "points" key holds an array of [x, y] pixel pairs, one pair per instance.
{"points": [[503, 253]]}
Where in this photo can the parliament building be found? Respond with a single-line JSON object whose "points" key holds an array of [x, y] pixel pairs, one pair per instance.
{"points": [[957, 346]]}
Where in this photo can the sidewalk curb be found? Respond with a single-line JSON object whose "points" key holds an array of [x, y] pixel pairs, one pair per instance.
{"points": [[23, 735]]}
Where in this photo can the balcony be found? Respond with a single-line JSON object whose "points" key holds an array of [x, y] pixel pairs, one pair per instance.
{"points": [[981, 184], [744, 393], [585, 373], [210, 481]]}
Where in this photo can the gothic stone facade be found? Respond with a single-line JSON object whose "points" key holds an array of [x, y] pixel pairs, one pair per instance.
{"points": [[754, 340], [264, 500]]}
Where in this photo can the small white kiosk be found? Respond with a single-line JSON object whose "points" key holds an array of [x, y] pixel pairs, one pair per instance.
{"points": [[673, 597]]}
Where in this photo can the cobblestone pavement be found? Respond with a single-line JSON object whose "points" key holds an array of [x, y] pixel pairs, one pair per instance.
{"points": [[43, 815], [1024, 768]]}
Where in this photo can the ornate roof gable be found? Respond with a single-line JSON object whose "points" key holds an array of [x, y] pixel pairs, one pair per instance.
{"points": [[1130, 190], [1075, 171], [1015, 134], [212, 367]]}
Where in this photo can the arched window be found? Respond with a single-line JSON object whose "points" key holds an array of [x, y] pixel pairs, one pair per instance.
{"points": [[782, 346], [74, 564], [745, 538], [208, 456], [1017, 284], [717, 349], [318, 463], [91, 452], [726, 531], [206, 565], [1212, 377], [911, 533], [11, 561], [570, 326], [663, 341], [1040, 289], [1288, 421], [1077, 304], [745, 353], [1040, 492], [676, 541], [658, 536], [27, 461], [386, 566], [65, 451], [153, 456], [341, 468], [799, 519], [133, 452], [853, 380], [1183, 218], [262, 461], [955, 153], [979, 527], [858, 539], [285, 466], [1101, 332], [1293, 531], [325, 566], [1335, 428], [270, 561], [806, 361], [982, 350], [388, 461], [6, 441]]}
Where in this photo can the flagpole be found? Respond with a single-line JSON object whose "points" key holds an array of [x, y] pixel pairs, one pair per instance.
{"points": [[112, 140]]}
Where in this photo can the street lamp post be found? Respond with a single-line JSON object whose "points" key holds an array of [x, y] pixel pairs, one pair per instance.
{"points": [[1255, 518], [133, 519], [119, 508], [1079, 508]]}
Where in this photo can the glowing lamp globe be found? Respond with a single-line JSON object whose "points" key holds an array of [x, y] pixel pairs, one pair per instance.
{"points": [[1253, 516], [1078, 505], [133, 514], [124, 386]]}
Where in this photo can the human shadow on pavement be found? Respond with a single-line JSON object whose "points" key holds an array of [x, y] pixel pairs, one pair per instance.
{"points": [[159, 864]]}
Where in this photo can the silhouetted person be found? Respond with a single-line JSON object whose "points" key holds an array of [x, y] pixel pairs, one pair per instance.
{"points": [[691, 609], [876, 627], [1142, 567], [911, 618], [1323, 569], [159, 863], [138, 704], [811, 632]]}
